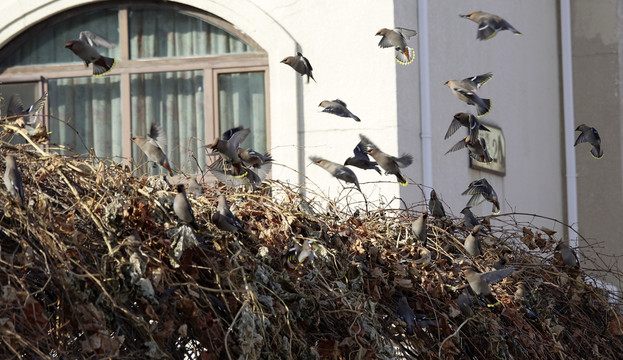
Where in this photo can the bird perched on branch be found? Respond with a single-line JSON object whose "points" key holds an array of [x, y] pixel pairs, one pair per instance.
{"points": [[569, 257], [435, 206], [397, 38], [337, 107], [300, 64], [481, 190], [465, 90], [337, 170], [419, 228], [390, 164], [489, 24], [84, 48], [182, 207], [590, 135], [223, 217], [472, 242], [154, 146], [476, 146], [479, 282], [13, 180], [469, 121], [228, 149], [361, 159]]}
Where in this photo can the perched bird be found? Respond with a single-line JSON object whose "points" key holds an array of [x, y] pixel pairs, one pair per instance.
{"points": [[479, 282], [250, 179], [13, 180], [337, 107], [472, 242], [228, 149], [469, 219], [296, 255], [591, 136], [419, 228], [182, 208], [476, 146], [435, 206], [194, 186], [253, 158], [482, 190], [464, 301], [469, 121], [569, 257], [397, 38], [489, 24], [300, 64], [406, 314], [337, 170], [223, 217], [390, 164], [84, 48], [465, 90], [361, 159], [154, 146]]}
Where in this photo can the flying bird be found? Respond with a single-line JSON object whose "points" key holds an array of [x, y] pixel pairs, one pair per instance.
{"points": [[361, 159], [488, 24], [481, 190], [300, 64], [590, 135], [390, 164], [477, 149], [13, 180], [465, 90], [397, 38], [469, 121], [296, 255], [337, 107], [228, 149], [84, 48], [33, 123], [479, 282], [337, 170], [253, 158], [154, 146], [250, 179]]}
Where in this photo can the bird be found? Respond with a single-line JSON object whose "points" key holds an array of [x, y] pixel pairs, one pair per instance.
{"points": [[300, 64], [472, 242], [469, 219], [469, 121], [31, 120], [406, 314], [296, 255], [397, 38], [84, 48], [229, 132], [568, 255], [182, 207], [228, 149], [465, 90], [482, 190], [13, 180], [154, 146], [590, 135], [337, 107], [477, 148], [194, 187], [253, 158], [479, 282], [250, 179], [464, 301], [419, 228], [223, 217], [435, 207], [337, 170], [361, 159], [489, 24], [390, 164]]}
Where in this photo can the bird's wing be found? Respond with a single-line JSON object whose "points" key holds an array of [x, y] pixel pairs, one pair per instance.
{"points": [[306, 62], [360, 152], [454, 126], [15, 106], [336, 110], [157, 136], [340, 102], [478, 80], [458, 146], [228, 133], [367, 143], [581, 139], [476, 199], [403, 161], [94, 39], [492, 277], [238, 137], [385, 42], [35, 108], [407, 33], [486, 30]]}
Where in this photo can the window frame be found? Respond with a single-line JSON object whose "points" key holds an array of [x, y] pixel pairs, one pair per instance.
{"points": [[211, 65]]}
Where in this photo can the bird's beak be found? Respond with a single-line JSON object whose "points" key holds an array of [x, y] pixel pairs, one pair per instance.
{"points": [[282, 61], [68, 45], [464, 16]]}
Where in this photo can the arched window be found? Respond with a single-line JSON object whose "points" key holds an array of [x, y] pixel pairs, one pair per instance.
{"points": [[188, 70]]}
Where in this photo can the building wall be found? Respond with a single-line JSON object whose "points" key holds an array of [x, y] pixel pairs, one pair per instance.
{"points": [[340, 43]]}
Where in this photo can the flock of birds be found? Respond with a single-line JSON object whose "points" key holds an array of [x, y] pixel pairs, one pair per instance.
{"points": [[246, 167]]}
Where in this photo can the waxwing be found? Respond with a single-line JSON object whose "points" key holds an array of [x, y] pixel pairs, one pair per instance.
{"points": [[337, 107], [154, 145], [84, 48], [465, 90], [590, 135], [489, 24], [337, 170], [397, 38], [300, 64]]}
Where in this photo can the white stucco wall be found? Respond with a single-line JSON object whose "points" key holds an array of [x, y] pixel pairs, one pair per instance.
{"points": [[338, 38]]}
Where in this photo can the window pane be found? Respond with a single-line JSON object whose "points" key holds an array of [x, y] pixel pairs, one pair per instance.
{"points": [[242, 102], [86, 113], [175, 100], [158, 33], [49, 47]]}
